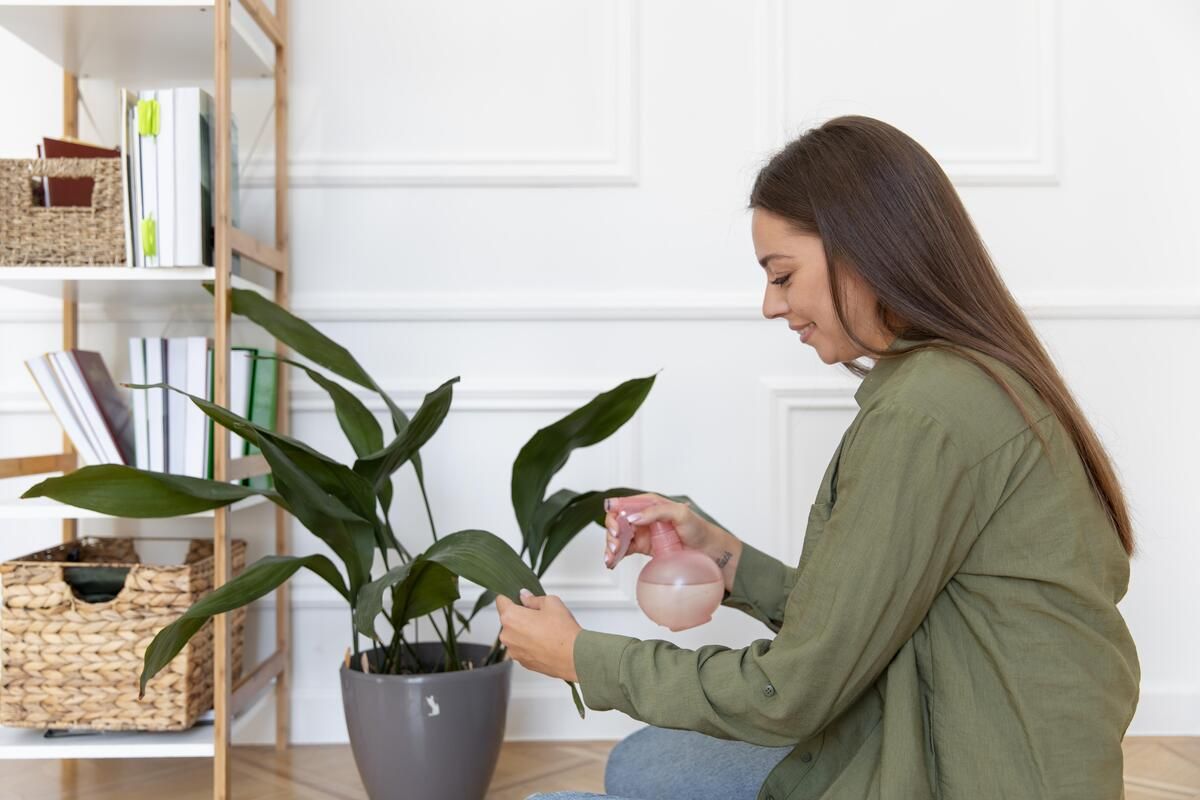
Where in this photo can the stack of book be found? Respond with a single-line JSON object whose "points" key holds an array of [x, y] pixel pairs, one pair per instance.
{"points": [[167, 138], [154, 429]]}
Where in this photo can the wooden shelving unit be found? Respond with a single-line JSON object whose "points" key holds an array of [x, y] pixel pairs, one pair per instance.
{"points": [[147, 43]]}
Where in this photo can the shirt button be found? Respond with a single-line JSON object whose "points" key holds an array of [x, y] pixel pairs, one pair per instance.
{"points": [[806, 757], [769, 691]]}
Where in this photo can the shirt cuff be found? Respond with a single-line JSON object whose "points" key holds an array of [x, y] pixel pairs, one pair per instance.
{"points": [[598, 667]]}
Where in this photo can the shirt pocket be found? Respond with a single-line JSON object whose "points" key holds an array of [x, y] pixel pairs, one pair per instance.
{"points": [[818, 515]]}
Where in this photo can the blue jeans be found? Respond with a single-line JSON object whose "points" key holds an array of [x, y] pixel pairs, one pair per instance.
{"points": [[663, 764]]}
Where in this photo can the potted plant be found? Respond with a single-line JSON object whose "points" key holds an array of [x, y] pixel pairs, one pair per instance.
{"points": [[426, 716]]}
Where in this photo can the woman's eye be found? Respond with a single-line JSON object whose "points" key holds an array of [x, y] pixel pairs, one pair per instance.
{"points": [[781, 281]]}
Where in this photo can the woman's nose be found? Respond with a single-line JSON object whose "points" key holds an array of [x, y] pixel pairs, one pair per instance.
{"points": [[773, 305]]}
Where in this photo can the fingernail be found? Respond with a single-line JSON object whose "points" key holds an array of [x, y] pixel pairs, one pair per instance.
{"points": [[525, 593], [633, 518], [612, 547]]}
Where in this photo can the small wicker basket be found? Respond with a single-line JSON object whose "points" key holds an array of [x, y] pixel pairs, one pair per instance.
{"points": [[32, 235], [68, 663]]}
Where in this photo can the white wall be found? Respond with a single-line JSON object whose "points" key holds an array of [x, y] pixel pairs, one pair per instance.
{"points": [[549, 198]]}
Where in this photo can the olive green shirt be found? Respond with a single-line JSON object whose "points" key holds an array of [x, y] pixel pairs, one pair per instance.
{"points": [[951, 629]]}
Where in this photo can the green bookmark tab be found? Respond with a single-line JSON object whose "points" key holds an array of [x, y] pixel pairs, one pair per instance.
{"points": [[148, 243], [147, 117]]}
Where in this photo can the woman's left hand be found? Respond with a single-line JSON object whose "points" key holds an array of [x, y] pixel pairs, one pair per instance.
{"points": [[540, 634]]}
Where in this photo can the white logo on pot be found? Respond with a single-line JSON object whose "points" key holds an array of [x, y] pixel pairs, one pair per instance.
{"points": [[433, 705]]}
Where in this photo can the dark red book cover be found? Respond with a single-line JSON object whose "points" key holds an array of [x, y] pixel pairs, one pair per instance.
{"points": [[114, 407], [72, 191]]}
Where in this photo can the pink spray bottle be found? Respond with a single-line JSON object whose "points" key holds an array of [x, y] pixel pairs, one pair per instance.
{"points": [[678, 588]]}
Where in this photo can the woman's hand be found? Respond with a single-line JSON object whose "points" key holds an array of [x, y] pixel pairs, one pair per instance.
{"points": [[694, 530], [642, 509], [540, 635]]}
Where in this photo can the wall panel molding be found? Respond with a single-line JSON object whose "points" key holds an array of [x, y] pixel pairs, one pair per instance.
{"points": [[1036, 167], [580, 306], [617, 166]]}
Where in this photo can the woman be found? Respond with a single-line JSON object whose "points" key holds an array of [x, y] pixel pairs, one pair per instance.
{"points": [[951, 630]]}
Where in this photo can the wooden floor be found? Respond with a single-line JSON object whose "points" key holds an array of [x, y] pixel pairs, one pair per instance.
{"points": [[1155, 768]]}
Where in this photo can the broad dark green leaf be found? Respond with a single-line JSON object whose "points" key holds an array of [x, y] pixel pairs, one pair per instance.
{"points": [[255, 581], [483, 601], [486, 559], [297, 334], [358, 423], [378, 466], [324, 514], [578, 701], [548, 510], [548, 450], [333, 477], [419, 587], [125, 491]]}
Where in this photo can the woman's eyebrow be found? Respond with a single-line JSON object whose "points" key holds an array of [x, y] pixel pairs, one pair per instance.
{"points": [[767, 259]]}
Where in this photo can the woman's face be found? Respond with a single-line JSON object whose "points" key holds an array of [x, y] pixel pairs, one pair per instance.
{"points": [[798, 291]]}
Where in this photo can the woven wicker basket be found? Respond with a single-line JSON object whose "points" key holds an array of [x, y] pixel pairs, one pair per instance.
{"points": [[68, 663], [73, 236]]}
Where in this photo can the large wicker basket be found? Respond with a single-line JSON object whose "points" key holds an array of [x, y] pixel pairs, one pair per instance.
{"points": [[68, 663], [72, 236]]}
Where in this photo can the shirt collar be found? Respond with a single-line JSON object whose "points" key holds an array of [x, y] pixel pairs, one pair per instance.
{"points": [[882, 369]]}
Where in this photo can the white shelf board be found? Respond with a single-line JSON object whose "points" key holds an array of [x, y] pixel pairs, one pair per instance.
{"points": [[195, 742], [120, 285], [138, 44], [46, 508]]}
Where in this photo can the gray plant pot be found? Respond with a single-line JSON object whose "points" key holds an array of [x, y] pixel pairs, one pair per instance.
{"points": [[430, 736]]}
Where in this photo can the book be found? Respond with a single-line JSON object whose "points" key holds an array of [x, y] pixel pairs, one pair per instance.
{"points": [[55, 395], [137, 374], [241, 368], [262, 410], [71, 379], [61, 192], [167, 159], [156, 416], [176, 405], [108, 403], [195, 423]]}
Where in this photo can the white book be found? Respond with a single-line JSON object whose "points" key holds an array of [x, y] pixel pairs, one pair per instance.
{"points": [[137, 374], [196, 421], [189, 238], [56, 397], [241, 365], [177, 405], [88, 414], [156, 414], [166, 177], [149, 152]]}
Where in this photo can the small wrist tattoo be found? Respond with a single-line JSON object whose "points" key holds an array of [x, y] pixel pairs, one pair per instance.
{"points": [[724, 559]]}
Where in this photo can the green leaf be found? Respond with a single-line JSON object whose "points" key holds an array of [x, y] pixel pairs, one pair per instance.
{"points": [[548, 450], [358, 423], [486, 559], [483, 601], [420, 586], [125, 491], [578, 702], [255, 581], [548, 510], [297, 334], [378, 466]]}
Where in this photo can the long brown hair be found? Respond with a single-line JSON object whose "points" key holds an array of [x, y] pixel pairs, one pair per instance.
{"points": [[884, 209]]}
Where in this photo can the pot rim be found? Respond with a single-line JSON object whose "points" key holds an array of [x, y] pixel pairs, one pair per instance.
{"points": [[431, 677]]}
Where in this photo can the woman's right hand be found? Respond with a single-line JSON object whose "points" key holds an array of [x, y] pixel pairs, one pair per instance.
{"points": [[643, 509]]}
